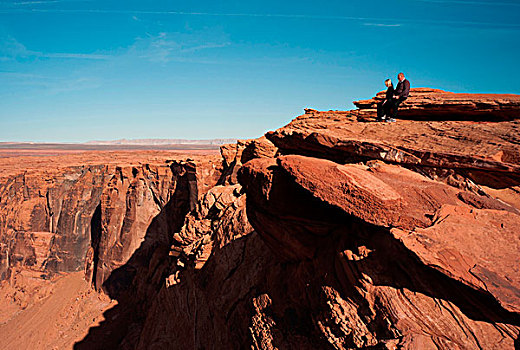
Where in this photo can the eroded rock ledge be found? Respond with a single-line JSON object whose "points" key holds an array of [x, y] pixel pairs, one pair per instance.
{"points": [[406, 254], [435, 104], [485, 152]]}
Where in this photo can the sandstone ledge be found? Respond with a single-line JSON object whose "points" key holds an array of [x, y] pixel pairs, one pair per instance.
{"points": [[486, 152], [435, 104]]}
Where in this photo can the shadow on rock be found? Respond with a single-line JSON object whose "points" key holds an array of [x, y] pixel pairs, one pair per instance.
{"points": [[137, 282]]}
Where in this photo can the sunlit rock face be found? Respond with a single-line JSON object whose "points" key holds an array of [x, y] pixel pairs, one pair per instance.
{"points": [[53, 219], [435, 104]]}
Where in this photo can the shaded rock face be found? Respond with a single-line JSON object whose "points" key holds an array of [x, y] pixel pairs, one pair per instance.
{"points": [[155, 203], [234, 155], [207, 271], [435, 104], [93, 217]]}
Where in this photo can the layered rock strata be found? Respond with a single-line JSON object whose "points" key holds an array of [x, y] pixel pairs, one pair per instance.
{"points": [[93, 218], [487, 153], [435, 104]]}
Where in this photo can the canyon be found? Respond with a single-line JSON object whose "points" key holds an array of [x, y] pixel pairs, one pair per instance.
{"points": [[332, 232]]}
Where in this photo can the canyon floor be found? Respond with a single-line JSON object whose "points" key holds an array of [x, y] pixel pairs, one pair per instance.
{"points": [[60, 314]]}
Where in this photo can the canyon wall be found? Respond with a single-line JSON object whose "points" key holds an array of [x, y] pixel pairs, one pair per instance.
{"points": [[106, 221]]}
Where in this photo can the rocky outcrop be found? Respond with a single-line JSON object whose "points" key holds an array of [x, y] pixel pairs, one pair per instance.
{"points": [[487, 153], [404, 221], [397, 271], [234, 155], [357, 243], [435, 104]]}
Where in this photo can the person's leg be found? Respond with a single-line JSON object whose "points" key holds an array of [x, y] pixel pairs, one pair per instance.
{"points": [[395, 107], [388, 108], [380, 110]]}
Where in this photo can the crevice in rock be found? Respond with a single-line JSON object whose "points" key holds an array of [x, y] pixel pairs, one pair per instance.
{"points": [[135, 284], [95, 238]]}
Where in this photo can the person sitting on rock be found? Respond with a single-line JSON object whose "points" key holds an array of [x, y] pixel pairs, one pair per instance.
{"points": [[383, 108], [401, 93]]}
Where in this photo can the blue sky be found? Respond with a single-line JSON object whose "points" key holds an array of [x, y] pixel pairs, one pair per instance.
{"points": [[79, 70]]}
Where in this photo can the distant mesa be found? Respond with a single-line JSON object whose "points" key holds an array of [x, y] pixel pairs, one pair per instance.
{"points": [[123, 144], [212, 142]]}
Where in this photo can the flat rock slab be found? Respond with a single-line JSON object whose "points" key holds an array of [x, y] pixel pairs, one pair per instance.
{"points": [[384, 195], [434, 104], [381, 194], [482, 146], [478, 247]]}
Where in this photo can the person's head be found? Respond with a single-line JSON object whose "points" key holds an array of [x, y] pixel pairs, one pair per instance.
{"points": [[388, 82], [400, 76]]}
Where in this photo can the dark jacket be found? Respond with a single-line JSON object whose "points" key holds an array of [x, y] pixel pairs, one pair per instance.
{"points": [[403, 89], [389, 92]]}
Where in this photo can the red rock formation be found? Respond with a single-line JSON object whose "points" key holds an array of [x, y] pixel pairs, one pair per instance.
{"points": [[234, 155], [342, 234], [434, 104], [407, 261], [356, 253], [105, 219], [487, 153], [412, 287], [48, 222]]}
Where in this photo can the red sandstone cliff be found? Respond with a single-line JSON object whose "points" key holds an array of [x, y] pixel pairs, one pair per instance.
{"points": [[342, 233], [106, 220]]}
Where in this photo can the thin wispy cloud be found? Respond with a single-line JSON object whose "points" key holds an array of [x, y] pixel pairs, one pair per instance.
{"points": [[84, 56], [271, 15], [18, 75], [382, 25], [21, 3], [51, 85], [39, 2], [166, 47], [159, 48], [163, 47], [12, 49]]}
